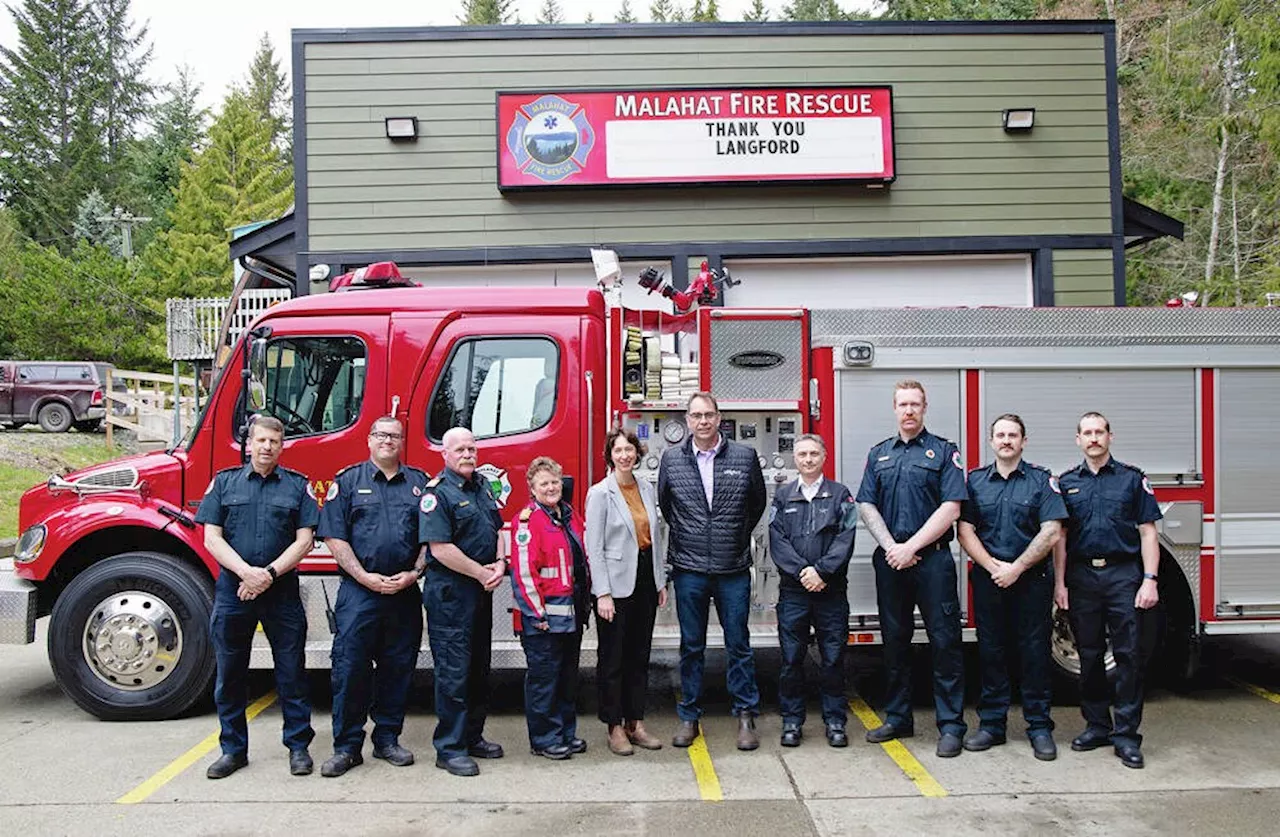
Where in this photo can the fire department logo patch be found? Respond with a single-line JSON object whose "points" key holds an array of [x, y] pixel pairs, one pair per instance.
{"points": [[929, 453], [1053, 485], [417, 492], [1146, 486], [523, 537], [499, 485], [955, 460], [322, 491], [550, 138], [428, 504]]}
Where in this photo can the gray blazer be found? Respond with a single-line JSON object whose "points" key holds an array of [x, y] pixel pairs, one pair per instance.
{"points": [[612, 549]]}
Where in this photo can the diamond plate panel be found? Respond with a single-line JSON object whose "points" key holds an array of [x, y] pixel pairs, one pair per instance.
{"points": [[1005, 327], [17, 610], [779, 383]]}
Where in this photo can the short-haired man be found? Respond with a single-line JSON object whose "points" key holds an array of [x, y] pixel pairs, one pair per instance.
{"points": [[909, 498], [1107, 581], [1010, 522], [258, 523], [711, 492], [370, 524], [459, 526], [812, 523]]}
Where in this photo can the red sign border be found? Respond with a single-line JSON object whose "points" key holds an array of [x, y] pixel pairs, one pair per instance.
{"points": [[687, 184]]}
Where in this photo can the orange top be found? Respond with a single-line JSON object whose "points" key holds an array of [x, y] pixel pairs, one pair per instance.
{"points": [[639, 514]]}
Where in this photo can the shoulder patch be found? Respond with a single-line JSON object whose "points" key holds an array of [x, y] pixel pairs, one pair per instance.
{"points": [[1053, 484], [955, 460], [212, 483], [428, 503], [433, 483], [1146, 486], [525, 514]]}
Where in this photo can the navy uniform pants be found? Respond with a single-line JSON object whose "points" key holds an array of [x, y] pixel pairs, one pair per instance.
{"points": [[827, 613], [460, 630], [1014, 623], [231, 629], [931, 584], [1102, 608], [373, 630], [551, 687]]}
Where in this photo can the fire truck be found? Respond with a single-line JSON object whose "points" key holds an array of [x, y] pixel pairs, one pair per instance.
{"points": [[112, 552]]}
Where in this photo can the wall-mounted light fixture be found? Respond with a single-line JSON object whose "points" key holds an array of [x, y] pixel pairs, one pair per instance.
{"points": [[1018, 120], [402, 128]]}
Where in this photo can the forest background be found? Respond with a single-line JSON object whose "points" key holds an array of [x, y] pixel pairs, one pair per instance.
{"points": [[91, 147]]}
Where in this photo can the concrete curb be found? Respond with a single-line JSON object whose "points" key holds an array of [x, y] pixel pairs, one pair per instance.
{"points": [[7, 547]]}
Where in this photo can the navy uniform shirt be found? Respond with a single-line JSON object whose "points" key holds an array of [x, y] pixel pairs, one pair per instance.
{"points": [[1104, 510], [260, 516], [461, 512], [908, 481], [376, 515], [1007, 513]]}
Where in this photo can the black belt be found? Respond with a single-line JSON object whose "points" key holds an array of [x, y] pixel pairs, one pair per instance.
{"points": [[1099, 562]]}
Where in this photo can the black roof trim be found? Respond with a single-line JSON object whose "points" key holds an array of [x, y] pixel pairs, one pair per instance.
{"points": [[1142, 224], [704, 30], [272, 243]]}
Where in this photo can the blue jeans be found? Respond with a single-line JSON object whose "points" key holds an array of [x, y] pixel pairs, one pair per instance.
{"points": [[828, 614], [1014, 622], [931, 583], [231, 628], [373, 628], [732, 594], [551, 687]]}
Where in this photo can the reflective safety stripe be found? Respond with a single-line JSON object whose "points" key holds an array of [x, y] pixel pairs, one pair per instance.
{"points": [[529, 586], [564, 571], [548, 572], [559, 610]]}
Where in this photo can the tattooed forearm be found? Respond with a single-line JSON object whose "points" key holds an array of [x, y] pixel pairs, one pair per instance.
{"points": [[1042, 543]]}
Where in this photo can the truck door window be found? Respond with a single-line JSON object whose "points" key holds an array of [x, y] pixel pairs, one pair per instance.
{"points": [[314, 384], [496, 386]]}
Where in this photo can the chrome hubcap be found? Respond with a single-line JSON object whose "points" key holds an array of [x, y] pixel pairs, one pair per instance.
{"points": [[132, 640], [1062, 645]]}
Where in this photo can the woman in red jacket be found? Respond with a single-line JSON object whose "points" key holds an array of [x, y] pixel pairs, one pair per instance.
{"points": [[553, 591]]}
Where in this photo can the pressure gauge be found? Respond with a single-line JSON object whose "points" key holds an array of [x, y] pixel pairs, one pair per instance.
{"points": [[778, 461], [764, 463], [673, 432], [651, 462]]}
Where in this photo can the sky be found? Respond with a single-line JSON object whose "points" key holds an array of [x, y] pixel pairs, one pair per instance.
{"points": [[218, 40]]}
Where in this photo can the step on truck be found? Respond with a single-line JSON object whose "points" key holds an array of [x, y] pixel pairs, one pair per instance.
{"points": [[113, 555]]}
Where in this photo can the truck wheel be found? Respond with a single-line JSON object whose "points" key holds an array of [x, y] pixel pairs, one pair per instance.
{"points": [[1178, 629], [129, 637], [1066, 659], [54, 417], [88, 425]]}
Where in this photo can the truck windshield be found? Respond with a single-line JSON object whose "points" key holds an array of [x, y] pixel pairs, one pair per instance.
{"points": [[314, 384]]}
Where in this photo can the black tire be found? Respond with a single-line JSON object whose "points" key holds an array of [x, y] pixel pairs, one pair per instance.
{"points": [[1177, 656], [151, 580], [55, 417], [88, 425]]}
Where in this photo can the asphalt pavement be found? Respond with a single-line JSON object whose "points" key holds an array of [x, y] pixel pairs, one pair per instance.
{"points": [[1212, 768]]}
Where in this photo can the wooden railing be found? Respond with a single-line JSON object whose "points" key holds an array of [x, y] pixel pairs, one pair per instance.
{"points": [[145, 405]]}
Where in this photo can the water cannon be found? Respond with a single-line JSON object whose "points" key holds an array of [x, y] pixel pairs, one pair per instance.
{"points": [[1184, 300], [703, 290]]}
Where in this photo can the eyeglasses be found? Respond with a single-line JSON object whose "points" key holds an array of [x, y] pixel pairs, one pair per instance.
{"points": [[702, 416], [379, 436]]}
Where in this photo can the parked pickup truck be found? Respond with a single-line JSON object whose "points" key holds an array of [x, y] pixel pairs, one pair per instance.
{"points": [[58, 395]]}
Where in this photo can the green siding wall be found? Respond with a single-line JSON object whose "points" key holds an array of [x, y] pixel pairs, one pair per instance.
{"points": [[959, 174], [1083, 277]]}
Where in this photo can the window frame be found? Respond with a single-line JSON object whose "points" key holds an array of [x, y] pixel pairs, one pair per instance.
{"points": [[241, 412], [476, 338]]}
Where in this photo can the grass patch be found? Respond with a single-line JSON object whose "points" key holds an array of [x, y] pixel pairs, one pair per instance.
{"points": [[14, 480]]}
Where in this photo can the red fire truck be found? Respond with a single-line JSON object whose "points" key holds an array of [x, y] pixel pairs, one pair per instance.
{"points": [[112, 552]]}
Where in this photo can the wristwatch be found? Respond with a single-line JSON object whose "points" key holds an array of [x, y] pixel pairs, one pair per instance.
{"points": [[420, 571], [1151, 576], [271, 571]]}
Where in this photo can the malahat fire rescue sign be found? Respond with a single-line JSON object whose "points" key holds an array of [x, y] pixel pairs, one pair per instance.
{"points": [[549, 139]]}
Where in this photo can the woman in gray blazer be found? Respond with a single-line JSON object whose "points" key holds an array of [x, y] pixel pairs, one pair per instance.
{"points": [[629, 582]]}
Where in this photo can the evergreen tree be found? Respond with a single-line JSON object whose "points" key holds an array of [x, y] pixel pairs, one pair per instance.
{"points": [[814, 10], [709, 13], [961, 9], [51, 150], [122, 92], [590, 18], [661, 11], [93, 223], [757, 13], [625, 15], [236, 179], [679, 14], [487, 12], [177, 131], [550, 13], [268, 93]]}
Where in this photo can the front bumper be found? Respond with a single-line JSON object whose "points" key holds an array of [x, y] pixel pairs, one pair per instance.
{"points": [[17, 610]]}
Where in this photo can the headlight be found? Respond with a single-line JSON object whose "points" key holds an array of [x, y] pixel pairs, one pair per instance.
{"points": [[30, 544]]}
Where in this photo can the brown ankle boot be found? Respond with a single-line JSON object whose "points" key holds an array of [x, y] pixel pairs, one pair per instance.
{"points": [[685, 733], [618, 743], [641, 737], [747, 738]]}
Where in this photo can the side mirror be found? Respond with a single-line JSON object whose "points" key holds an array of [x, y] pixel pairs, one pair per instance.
{"points": [[257, 374]]}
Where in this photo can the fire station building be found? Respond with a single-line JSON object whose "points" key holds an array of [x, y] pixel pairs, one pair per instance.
{"points": [[833, 165]]}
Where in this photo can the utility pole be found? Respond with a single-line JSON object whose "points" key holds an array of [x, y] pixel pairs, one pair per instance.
{"points": [[126, 220]]}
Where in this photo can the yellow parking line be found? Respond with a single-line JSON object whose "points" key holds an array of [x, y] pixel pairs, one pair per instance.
{"points": [[901, 756], [190, 757], [704, 771], [1257, 690]]}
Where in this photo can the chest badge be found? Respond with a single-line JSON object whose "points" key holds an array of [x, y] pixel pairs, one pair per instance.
{"points": [[523, 537], [883, 459], [428, 504], [364, 490], [417, 492], [929, 453]]}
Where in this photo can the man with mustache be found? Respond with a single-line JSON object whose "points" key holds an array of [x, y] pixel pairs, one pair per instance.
{"points": [[1106, 580], [1008, 526]]}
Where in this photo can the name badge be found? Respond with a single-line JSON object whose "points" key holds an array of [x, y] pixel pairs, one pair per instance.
{"points": [[882, 459], [364, 490], [1073, 491], [464, 503]]}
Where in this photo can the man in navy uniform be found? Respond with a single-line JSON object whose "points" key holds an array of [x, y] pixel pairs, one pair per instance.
{"points": [[371, 526], [909, 498], [1107, 581], [812, 523], [258, 523], [1008, 526], [459, 525]]}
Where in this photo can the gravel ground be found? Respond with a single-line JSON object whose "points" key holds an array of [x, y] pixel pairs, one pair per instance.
{"points": [[60, 452]]}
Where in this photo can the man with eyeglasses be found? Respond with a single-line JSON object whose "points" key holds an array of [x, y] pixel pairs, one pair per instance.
{"points": [[711, 492], [370, 524]]}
